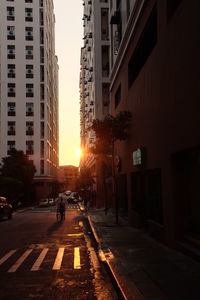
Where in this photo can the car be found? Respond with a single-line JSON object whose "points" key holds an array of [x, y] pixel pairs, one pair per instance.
{"points": [[44, 202], [67, 193], [6, 209], [51, 201], [74, 198]]}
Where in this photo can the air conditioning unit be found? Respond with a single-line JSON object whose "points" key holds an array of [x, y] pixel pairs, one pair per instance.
{"points": [[30, 128], [29, 71], [11, 13], [11, 128], [11, 90], [30, 109], [11, 71], [29, 52], [30, 90], [10, 51], [11, 32], [11, 109], [29, 33]]}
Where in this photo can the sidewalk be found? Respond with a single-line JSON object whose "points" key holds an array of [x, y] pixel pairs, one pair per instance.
{"points": [[143, 268]]}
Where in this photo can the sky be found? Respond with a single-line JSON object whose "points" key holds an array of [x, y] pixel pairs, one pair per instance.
{"points": [[69, 33]]}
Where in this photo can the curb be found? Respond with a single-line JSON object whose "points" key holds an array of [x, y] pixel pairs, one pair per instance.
{"points": [[103, 258]]}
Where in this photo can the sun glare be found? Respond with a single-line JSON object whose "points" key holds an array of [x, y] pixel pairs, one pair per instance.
{"points": [[78, 152]]}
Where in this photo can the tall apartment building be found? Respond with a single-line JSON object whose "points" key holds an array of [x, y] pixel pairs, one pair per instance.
{"points": [[29, 85], [155, 75], [94, 78]]}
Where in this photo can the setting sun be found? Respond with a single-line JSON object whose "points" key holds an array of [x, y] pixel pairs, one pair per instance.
{"points": [[78, 152]]}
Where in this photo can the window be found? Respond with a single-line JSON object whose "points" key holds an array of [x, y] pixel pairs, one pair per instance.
{"points": [[42, 148], [42, 130], [41, 35], [10, 146], [29, 128], [41, 17], [11, 128], [105, 61], [42, 110], [42, 167], [118, 96], [29, 52], [144, 47], [41, 73], [42, 54], [29, 147], [29, 71], [29, 109], [41, 91], [28, 1], [10, 13], [104, 24], [11, 109], [10, 51], [28, 14], [29, 33], [29, 90], [11, 32], [41, 3], [11, 71], [11, 89]]}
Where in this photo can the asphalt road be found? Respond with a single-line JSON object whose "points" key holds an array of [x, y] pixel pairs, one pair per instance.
{"points": [[41, 258]]}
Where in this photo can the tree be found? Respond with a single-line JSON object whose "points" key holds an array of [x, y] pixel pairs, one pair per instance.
{"points": [[18, 171], [85, 180], [107, 132]]}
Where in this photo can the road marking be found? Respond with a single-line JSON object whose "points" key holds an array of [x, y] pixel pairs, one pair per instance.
{"points": [[77, 264], [59, 257], [40, 259], [74, 234], [20, 261], [5, 257]]}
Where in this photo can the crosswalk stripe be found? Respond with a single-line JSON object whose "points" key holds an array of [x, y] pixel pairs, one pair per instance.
{"points": [[40, 259], [59, 257], [77, 264], [20, 261], [5, 257]]}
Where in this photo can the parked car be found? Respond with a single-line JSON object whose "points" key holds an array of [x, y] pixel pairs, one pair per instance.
{"points": [[44, 202], [51, 201], [67, 193], [5, 209]]}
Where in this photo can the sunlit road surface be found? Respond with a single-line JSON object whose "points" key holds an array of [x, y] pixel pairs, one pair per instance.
{"points": [[41, 258]]}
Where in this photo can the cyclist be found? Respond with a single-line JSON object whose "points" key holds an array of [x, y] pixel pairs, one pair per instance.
{"points": [[61, 209]]}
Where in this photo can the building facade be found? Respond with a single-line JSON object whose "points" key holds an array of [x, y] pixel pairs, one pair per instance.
{"points": [[67, 177], [155, 75], [29, 85], [94, 80]]}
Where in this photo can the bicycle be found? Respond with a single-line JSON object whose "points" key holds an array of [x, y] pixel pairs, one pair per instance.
{"points": [[60, 215]]}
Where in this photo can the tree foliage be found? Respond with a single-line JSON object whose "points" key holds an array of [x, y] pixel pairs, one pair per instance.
{"points": [[18, 166], [85, 179], [16, 175], [110, 130]]}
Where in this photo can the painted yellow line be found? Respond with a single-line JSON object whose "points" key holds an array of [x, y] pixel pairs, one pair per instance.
{"points": [[59, 257], [40, 259], [74, 234], [5, 257], [20, 261], [77, 264]]}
